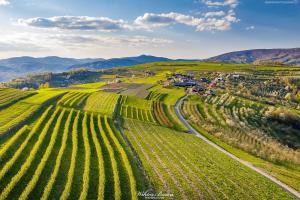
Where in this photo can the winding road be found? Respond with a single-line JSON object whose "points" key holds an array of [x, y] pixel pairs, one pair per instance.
{"points": [[193, 131]]}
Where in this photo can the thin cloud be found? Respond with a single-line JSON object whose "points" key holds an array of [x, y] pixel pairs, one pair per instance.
{"points": [[230, 3], [4, 2], [282, 2], [21, 47], [213, 14], [84, 23], [151, 20], [249, 28], [35, 41], [88, 40]]}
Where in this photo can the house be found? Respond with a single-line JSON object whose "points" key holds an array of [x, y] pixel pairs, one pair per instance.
{"points": [[220, 78], [166, 84], [185, 84], [149, 73], [213, 84], [170, 79], [204, 80], [235, 76], [179, 75], [198, 89], [117, 81], [210, 92], [25, 89], [190, 75]]}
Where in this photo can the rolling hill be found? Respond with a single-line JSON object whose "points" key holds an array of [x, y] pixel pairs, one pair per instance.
{"points": [[120, 62], [52, 63], [20, 66], [258, 56]]}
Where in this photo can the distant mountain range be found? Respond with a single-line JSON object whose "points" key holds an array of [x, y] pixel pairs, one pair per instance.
{"points": [[21, 66], [257, 56], [120, 62]]}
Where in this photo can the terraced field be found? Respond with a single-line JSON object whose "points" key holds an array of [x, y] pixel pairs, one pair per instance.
{"points": [[166, 116], [10, 96], [149, 111], [136, 108], [73, 99], [101, 102], [19, 112], [155, 96], [61, 156], [181, 165]]}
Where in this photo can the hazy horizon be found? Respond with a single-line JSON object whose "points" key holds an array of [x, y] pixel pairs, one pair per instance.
{"points": [[99, 57]]}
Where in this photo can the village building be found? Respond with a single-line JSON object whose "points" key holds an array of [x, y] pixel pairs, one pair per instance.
{"points": [[149, 73]]}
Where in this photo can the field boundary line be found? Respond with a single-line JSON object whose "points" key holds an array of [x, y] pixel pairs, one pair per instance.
{"points": [[245, 163]]}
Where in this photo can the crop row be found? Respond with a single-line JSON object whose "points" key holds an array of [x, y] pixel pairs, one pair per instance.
{"points": [[28, 161], [73, 99], [54, 159], [42, 97], [10, 96], [149, 111], [166, 116], [239, 123], [136, 102], [13, 115], [137, 113], [155, 96], [184, 166], [100, 102]]}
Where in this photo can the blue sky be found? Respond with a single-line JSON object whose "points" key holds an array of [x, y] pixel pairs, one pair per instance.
{"points": [[171, 28]]}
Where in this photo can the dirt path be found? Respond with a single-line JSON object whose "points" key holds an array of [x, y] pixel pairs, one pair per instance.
{"points": [[193, 131]]}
